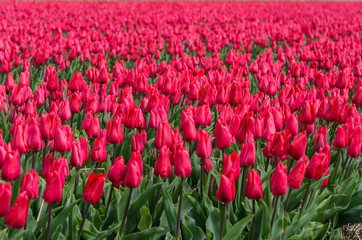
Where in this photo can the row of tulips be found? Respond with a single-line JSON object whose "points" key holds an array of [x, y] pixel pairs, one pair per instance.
{"points": [[168, 124]]}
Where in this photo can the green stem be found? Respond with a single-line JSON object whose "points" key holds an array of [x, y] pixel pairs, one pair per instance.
{"points": [[109, 198], [275, 207], [179, 208], [83, 221], [253, 223], [288, 198], [223, 219], [49, 221], [305, 197], [243, 183], [202, 178], [125, 212]]}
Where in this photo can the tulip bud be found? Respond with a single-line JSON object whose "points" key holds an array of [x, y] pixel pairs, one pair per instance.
{"points": [[133, 174], [292, 124], [18, 213], [280, 143], [163, 135], [5, 198], [247, 154], [99, 150], [11, 168], [94, 188], [30, 184], [298, 146], [279, 180], [63, 139], [114, 131], [226, 191], [296, 175], [203, 147], [19, 139], [321, 138], [222, 134], [117, 170], [207, 164], [35, 141], [315, 168], [163, 165], [76, 83], [53, 188], [75, 102], [182, 163], [47, 165], [139, 141], [341, 139], [79, 153], [64, 111], [253, 187], [189, 131], [231, 164], [48, 125], [307, 114], [354, 148], [94, 129]]}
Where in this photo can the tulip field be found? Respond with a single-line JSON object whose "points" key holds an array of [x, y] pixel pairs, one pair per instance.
{"points": [[180, 120]]}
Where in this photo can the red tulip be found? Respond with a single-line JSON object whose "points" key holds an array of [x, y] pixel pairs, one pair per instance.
{"points": [[280, 143], [182, 163], [61, 166], [47, 165], [307, 114], [298, 146], [226, 191], [222, 134], [99, 150], [291, 124], [203, 147], [315, 168], [35, 141], [163, 135], [162, 166], [79, 153], [18, 213], [117, 170], [94, 188], [63, 139], [138, 142], [94, 129], [189, 131], [53, 189], [341, 138], [247, 154], [231, 164], [11, 168], [321, 138], [114, 131], [354, 148], [29, 184], [253, 187], [49, 122], [76, 83], [133, 174], [5, 198], [19, 139], [64, 111], [52, 81], [135, 118], [207, 165], [279, 180], [296, 175], [75, 102]]}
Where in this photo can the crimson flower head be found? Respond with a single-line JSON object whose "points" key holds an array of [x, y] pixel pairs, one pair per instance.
{"points": [[54, 188], [30, 184], [182, 163], [253, 188], [247, 154], [341, 138], [114, 131], [94, 188], [298, 146], [163, 135], [222, 134], [296, 175], [279, 145], [203, 147], [279, 180], [162, 166], [133, 174], [80, 153], [316, 167], [99, 150], [5, 198], [226, 191], [139, 141], [63, 139], [117, 170], [18, 213]]}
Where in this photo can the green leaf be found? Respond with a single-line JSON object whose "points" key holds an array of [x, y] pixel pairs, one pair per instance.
{"points": [[156, 232], [238, 228], [146, 219], [213, 221], [195, 232], [200, 217], [142, 199], [170, 210], [62, 216]]}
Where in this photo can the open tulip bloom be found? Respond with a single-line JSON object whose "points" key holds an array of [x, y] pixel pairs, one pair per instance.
{"points": [[187, 120]]}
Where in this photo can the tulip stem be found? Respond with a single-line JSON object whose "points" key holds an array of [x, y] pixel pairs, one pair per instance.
{"points": [[33, 160], [114, 152], [76, 183], [49, 221], [267, 164], [222, 227], [83, 221], [305, 197], [125, 213], [243, 182], [202, 178], [54, 147], [179, 208], [253, 223], [158, 195], [348, 167], [109, 198], [289, 166], [288, 198], [275, 207]]}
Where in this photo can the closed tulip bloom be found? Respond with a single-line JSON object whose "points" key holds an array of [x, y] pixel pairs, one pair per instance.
{"points": [[135, 118], [17, 96], [11, 168], [136, 156], [63, 139], [49, 122], [207, 165], [64, 111], [35, 141], [222, 134], [53, 189], [279, 180], [280, 143], [99, 150], [76, 83], [315, 168], [162, 166], [298, 146], [253, 187], [29, 184], [80, 153], [246, 128], [92, 105], [75, 102], [18, 213], [296, 175], [354, 148], [231, 164], [226, 191], [203, 147], [291, 124], [132, 177], [114, 131], [307, 114], [163, 135], [341, 139], [52, 81], [19, 139], [47, 165], [203, 116], [94, 188], [325, 181], [182, 163], [321, 138], [61, 166], [5, 198], [87, 121], [117, 170], [139, 141], [247, 154], [94, 128]]}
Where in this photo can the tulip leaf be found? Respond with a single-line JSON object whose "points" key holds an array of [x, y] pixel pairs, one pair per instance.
{"points": [[190, 230], [170, 210], [142, 199], [156, 232], [146, 219], [61, 217], [200, 217], [238, 228], [213, 221]]}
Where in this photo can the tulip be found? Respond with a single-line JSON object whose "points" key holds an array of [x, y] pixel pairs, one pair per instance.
{"points": [[135, 118], [47, 165], [117, 170], [292, 124], [94, 129], [49, 122], [354, 148], [52, 81], [182, 163], [341, 138], [298, 146], [226, 190], [5, 198], [162, 166], [138, 142], [79, 154], [63, 139], [222, 134], [231, 164], [280, 143], [253, 189], [296, 175], [53, 188], [203, 147], [75, 102], [94, 188], [307, 114], [114, 131], [11, 168], [247, 154], [35, 141], [99, 150], [64, 111], [279, 180], [29, 184], [321, 138], [19, 139], [76, 83], [163, 135], [315, 168], [189, 131], [133, 174], [18, 213]]}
